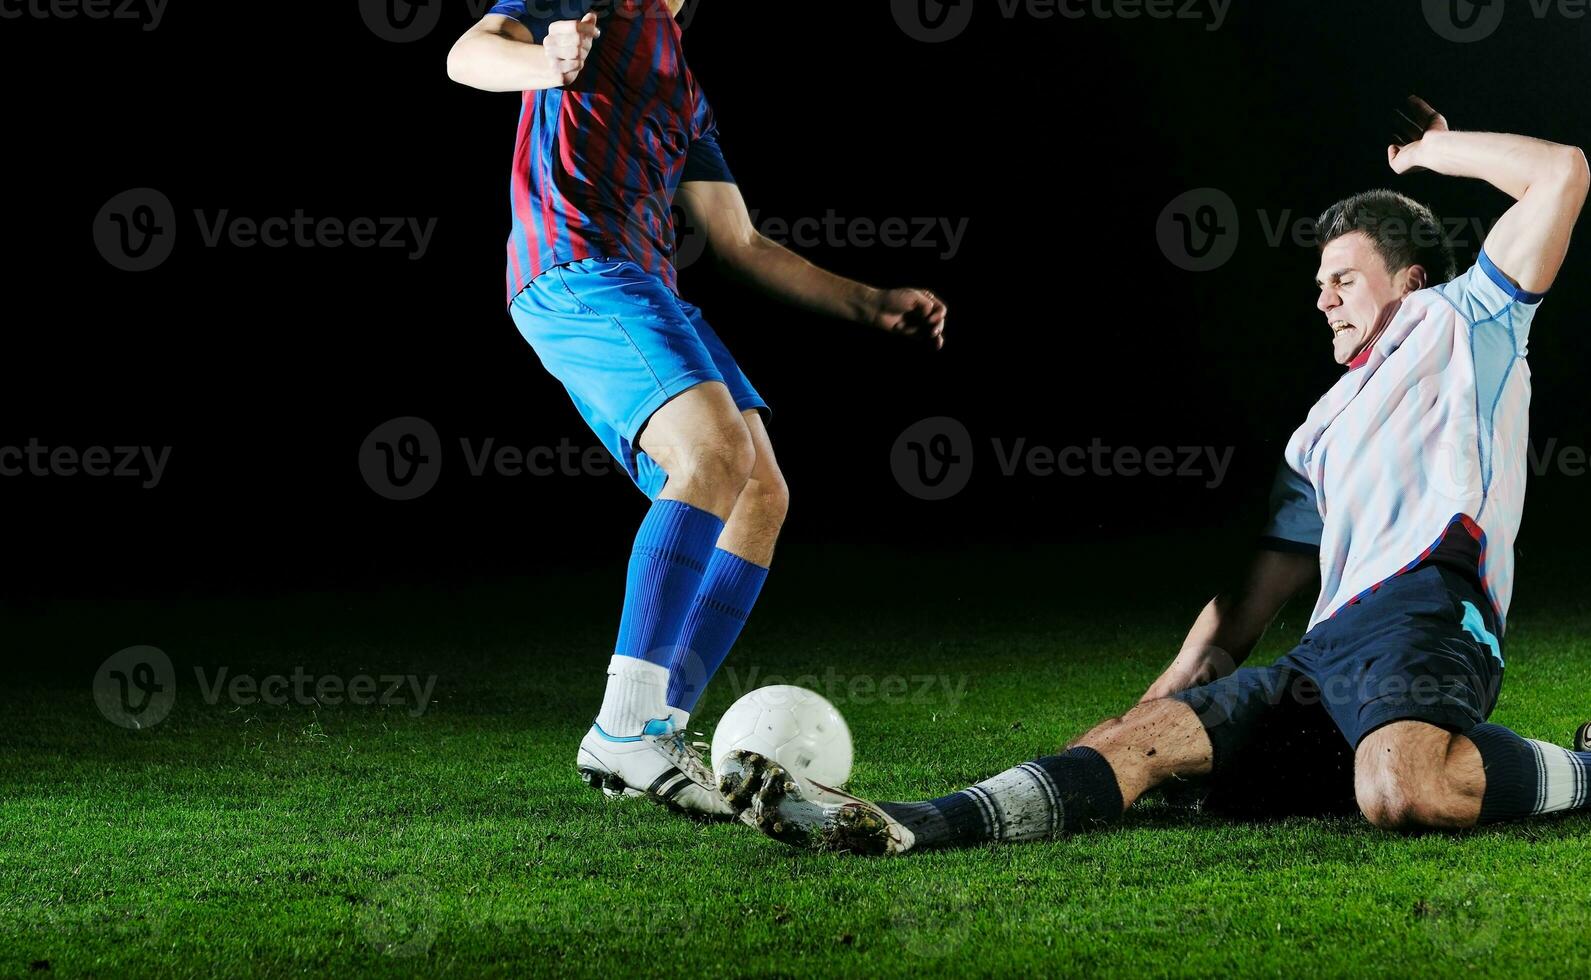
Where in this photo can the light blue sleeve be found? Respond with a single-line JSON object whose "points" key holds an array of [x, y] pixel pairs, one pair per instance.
{"points": [[1499, 311], [1499, 314], [1295, 523]]}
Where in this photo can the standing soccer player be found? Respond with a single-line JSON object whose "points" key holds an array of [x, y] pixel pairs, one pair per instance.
{"points": [[615, 131]]}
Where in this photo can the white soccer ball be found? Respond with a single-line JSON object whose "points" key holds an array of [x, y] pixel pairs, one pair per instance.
{"points": [[792, 726]]}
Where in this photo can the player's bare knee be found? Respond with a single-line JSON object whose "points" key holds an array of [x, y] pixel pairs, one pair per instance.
{"points": [[719, 461], [768, 498]]}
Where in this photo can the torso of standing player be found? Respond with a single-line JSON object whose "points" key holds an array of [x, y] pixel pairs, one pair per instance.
{"points": [[637, 80]]}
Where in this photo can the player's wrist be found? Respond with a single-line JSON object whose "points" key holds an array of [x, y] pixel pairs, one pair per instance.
{"points": [[867, 306]]}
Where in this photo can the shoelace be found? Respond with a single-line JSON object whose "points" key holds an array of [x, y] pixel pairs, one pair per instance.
{"points": [[684, 755]]}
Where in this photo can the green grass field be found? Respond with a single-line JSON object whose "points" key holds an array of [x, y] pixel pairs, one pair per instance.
{"points": [[376, 840]]}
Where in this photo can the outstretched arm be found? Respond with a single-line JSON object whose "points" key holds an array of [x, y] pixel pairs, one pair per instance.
{"points": [[1231, 625], [499, 54], [1548, 180], [718, 208]]}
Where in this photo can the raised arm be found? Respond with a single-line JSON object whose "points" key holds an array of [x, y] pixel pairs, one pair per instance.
{"points": [[1231, 625], [1548, 180], [499, 54], [719, 210]]}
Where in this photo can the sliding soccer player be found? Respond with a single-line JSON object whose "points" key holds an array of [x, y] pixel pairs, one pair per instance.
{"points": [[1403, 490], [613, 133]]}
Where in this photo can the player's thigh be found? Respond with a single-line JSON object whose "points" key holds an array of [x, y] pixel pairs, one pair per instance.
{"points": [[1285, 758], [699, 426], [622, 346], [1422, 648]]}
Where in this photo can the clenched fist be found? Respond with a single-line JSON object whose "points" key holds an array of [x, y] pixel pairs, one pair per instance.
{"points": [[568, 45]]}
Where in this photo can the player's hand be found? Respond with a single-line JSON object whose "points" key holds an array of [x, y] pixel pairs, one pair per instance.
{"points": [[568, 45], [914, 313], [1415, 120]]}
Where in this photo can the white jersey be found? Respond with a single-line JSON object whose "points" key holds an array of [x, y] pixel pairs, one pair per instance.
{"points": [[1428, 429]]}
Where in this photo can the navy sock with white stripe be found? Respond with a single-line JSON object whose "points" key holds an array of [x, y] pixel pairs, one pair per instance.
{"points": [[1049, 796], [1525, 777]]}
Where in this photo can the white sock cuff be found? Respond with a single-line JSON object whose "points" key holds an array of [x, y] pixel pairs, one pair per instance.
{"points": [[638, 671]]}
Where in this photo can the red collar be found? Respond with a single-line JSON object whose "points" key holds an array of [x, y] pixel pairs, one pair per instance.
{"points": [[1362, 358]]}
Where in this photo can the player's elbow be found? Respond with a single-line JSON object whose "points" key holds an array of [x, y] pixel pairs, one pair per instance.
{"points": [[459, 62]]}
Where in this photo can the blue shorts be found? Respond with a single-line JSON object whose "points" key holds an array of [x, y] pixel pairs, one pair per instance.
{"points": [[1422, 647], [623, 344]]}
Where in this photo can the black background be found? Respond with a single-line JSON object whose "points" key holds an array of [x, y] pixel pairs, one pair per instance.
{"points": [[1059, 140]]}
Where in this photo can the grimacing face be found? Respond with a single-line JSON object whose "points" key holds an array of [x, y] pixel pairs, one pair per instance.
{"points": [[1358, 293]]}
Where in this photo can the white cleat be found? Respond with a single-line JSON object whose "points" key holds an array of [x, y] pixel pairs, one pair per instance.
{"points": [[802, 813], [658, 764]]}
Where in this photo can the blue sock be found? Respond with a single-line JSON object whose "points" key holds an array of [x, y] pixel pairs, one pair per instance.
{"points": [[671, 554], [728, 591], [1525, 778]]}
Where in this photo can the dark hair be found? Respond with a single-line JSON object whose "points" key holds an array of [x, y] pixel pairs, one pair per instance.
{"points": [[1404, 231]]}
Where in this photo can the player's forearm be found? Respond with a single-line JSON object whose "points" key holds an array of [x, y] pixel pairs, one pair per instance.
{"points": [[774, 269], [1220, 640], [496, 63], [1512, 164], [1232, 624]]}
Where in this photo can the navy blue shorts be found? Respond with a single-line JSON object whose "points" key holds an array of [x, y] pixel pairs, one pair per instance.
{"points": [[1422, 647]]}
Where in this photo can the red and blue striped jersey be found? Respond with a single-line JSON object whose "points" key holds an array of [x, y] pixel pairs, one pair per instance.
{"points": [[597, 163]]}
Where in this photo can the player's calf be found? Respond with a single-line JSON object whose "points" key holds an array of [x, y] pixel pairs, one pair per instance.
{"points": [[1414, 776]]}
